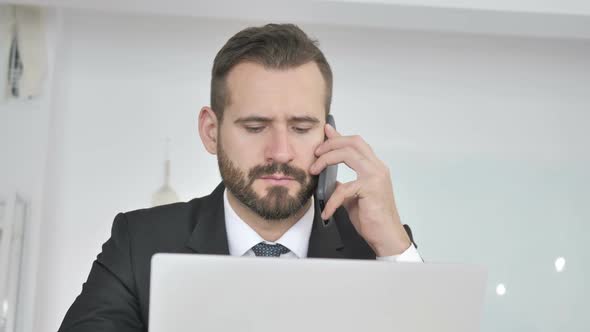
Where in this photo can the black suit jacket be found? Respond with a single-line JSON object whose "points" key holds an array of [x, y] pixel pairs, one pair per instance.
{"points": [[116, 295]]}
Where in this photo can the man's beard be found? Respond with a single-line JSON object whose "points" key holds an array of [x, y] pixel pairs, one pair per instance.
{"points": [[277, 204]]}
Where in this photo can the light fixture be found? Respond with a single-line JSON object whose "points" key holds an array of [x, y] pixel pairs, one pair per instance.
{"points": [[165, 195], [500, 289], [559, 264]]}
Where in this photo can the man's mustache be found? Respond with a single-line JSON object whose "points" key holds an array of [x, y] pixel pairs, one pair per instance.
{"points": [[297, 174]]}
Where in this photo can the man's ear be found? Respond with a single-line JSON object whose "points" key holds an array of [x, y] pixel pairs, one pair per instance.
{"points": [[208, 127]]}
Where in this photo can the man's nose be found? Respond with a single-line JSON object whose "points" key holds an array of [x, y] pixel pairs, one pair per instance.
{"points": [[279, 148]]}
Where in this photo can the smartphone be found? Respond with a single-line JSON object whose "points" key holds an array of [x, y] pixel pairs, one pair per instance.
{"points": [[327, 180]]}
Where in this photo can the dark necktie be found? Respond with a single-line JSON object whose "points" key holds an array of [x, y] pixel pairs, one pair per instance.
{"points": [[269, 250]]}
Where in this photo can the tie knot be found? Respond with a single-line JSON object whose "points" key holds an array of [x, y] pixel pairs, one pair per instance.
{"points": [[269, 250]]}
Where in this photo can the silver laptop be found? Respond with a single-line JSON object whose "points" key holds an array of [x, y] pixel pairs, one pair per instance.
{"points": [[223, 293]]}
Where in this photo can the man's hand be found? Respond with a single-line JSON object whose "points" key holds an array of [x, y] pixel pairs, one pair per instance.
{"points": [[369, 199]]}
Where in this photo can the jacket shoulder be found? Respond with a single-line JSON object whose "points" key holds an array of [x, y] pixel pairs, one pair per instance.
{"points": [[162, 228]]}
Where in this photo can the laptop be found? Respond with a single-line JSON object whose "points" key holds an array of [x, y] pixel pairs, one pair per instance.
{"points": [[211, 293]]}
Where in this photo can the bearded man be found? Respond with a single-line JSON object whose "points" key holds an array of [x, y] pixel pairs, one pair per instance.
{"points": [[271, 90]]}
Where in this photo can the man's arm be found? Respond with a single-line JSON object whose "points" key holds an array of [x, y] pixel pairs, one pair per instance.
{"points": [[108, 301], [369, 199]]}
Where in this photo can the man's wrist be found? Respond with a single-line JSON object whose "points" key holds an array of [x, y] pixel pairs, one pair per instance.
{"points": [[395, 243], [393, 249], [411, 255]]}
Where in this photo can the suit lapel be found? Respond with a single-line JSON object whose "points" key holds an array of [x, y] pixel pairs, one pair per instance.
{"points": [[209, 235], [325, 241]]}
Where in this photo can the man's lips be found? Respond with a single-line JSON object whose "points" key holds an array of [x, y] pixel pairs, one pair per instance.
{"points": [[276, 177]]}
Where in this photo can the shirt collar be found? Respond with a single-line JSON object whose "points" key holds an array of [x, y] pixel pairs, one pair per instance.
{"points": [[241, 237]]}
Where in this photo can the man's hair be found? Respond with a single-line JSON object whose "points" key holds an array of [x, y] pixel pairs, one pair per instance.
{"points": [[274, 46]]}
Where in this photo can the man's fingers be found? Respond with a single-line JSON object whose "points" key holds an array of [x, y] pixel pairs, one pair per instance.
{"points": [[343, 191], [331, 131], [339, 142], [347, 155]]}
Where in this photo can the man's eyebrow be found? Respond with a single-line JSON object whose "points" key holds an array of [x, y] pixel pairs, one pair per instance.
{"points": [[304, 119], [256, 118], [253, 118]]}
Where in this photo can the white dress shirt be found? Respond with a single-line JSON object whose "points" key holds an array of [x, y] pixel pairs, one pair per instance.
{"points": [[241, 237]]}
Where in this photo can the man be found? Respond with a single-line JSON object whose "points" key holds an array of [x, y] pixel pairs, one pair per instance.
{"points": [[271, 92]]}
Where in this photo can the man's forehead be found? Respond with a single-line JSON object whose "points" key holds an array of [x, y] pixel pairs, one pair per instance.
{"points": [[247, 80], [278, 95], [249, 69]]}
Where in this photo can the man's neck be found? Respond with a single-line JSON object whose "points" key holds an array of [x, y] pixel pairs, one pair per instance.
{"points": [[269, 230]]}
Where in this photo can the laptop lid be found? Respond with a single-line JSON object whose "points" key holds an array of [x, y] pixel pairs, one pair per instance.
{"points": [[191, 292]]}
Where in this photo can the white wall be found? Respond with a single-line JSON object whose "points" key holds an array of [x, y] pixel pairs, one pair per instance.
{"points": [[486, 138], [24, 131], [531, 18]]}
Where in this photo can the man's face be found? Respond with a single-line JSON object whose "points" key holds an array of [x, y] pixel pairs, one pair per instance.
{"points": [[268, 136]]}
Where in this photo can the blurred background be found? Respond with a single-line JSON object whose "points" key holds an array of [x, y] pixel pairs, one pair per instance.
{"points": [[481, 109]]}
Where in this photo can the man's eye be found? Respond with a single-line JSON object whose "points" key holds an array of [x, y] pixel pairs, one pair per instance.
{"points": [[254, 129], [301, 130]]}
